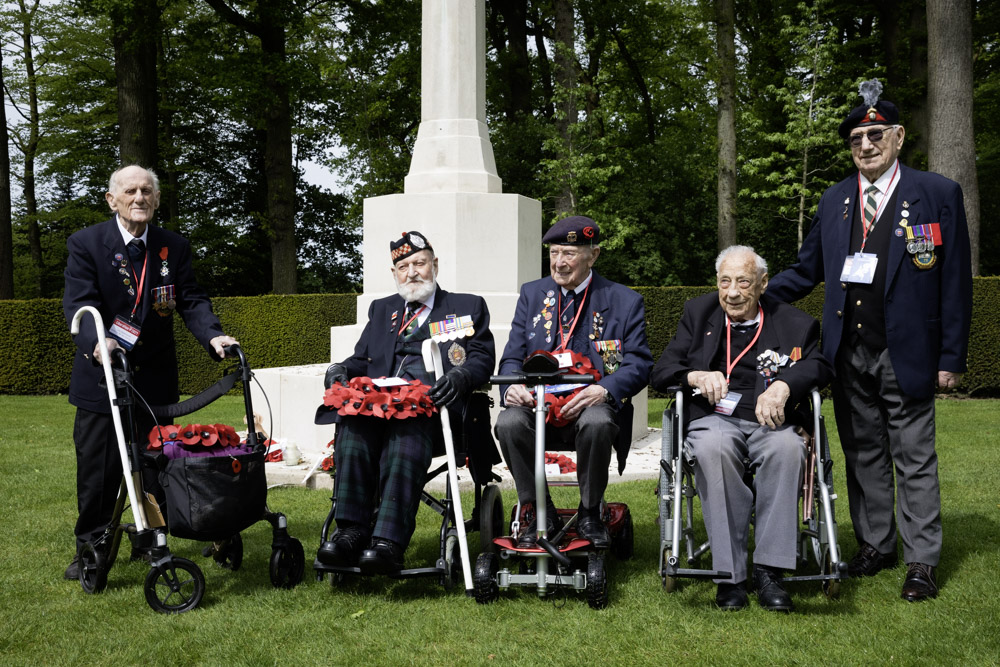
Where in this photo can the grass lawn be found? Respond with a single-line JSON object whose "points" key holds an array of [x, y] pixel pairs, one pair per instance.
{"points": [[243, 620]]}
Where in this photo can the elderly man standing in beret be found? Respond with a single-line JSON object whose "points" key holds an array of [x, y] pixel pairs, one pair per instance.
{"points": [[383, 462], [892, 245], [575, 310]]}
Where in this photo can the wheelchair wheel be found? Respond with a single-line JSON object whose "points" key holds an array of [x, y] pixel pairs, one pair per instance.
{"points": [[452, 563], [484, 578], [597, 582], [174, 587], [93, 569], [491, 519], [228, 553], [287, 564], [623, 544]]}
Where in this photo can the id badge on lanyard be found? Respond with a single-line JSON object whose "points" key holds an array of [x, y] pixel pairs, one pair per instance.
{"points": [[126, 330]]}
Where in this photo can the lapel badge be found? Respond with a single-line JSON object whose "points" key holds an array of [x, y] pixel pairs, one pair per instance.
{"points": [[906, 204]]}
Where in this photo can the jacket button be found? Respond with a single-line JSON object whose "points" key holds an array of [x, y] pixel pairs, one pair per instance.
{"points": [[840, 313], [859, 325], [843, 285], [858, 302]]}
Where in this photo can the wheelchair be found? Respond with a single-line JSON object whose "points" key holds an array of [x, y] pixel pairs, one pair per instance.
{"points": [[680, 547], [476, 446], [573, 560]]}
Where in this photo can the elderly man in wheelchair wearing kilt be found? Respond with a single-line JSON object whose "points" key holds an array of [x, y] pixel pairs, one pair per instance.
{"points": [[749, 362]]}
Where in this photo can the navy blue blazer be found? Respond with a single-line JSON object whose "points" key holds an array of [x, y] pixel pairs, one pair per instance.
{"points": [[702, 330], [375, 351], [93, 278], [928, 312], [620, 312]]}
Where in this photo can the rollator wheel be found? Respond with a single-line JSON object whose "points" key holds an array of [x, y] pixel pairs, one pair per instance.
{"points": [[452, 563], [484, 578], [831, 587], [669, 583], [229, 554], [287, 564], [93, 569], [597, 582], [174, 587], [623, 545], [491, 518]]}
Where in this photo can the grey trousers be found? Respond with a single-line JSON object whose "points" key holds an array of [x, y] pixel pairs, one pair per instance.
{"points": [[720, 445], [593, 435], [882, 428]]}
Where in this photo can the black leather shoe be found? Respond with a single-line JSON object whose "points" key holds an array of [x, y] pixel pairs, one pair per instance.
{"points": [[771, 595], [528, 538], [345, 548], [919, 583], [732, 597], [591, 528], [73, 571], [384, 557], [868, 562]]}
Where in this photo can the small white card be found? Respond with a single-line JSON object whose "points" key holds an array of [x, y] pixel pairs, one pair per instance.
{"points": [[728, 404], [565, 359], [390, 382], [551, 469], [859, 268]]}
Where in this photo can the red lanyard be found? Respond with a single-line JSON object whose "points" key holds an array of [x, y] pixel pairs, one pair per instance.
{"points": [[730, 365], [565, 338], [409, 321], [865, 227], [141, 281]]}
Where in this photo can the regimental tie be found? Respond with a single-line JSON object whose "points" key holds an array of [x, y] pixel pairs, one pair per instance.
{"points": [[137, 251], [410, 317], [871, 207], [568, 311]]}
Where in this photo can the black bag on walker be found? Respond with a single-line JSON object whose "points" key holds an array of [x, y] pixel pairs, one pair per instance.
{"points": [[211, 498]]}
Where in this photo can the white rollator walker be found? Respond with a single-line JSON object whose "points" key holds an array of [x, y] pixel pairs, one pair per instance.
{"points": [[563, 560]]}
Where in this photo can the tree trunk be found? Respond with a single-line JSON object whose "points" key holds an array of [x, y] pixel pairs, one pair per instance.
{"points": [[30, 148], [567, 113], [544, 68], [6, 231], [135, 26], [725, 48], [915, 149], [952, 150]]}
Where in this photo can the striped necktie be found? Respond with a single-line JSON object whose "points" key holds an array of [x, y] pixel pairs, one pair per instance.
{"points": [[871, 206], [568, 311]]}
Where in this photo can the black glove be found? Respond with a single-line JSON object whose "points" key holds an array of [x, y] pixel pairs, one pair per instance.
{"points": [[453, 384], [335, 373]]}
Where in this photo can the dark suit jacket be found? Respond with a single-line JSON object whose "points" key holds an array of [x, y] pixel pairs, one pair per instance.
{"points": [[927, 312], [702, 330], [375, 351], [92, 278], [624, 318]]}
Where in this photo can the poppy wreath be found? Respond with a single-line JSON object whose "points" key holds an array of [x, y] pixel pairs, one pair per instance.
{"points": [[362, 397], [555, 402], [193, 436]]}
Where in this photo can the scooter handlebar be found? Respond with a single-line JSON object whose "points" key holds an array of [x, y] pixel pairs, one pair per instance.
{"points": [[536, 379]]}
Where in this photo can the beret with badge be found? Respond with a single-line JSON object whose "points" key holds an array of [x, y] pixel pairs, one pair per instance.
{"points": [[575, 230], [873, 112], [410, 243]]}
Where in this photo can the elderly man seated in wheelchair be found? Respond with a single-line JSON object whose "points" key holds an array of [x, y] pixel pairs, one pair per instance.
{"points": [[749, 361]]}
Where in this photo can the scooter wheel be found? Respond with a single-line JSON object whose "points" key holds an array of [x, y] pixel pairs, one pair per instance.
{"points": [[287, 564], [174, 587], [93, 569], [491, 518], [597, 582], [484, 578]]}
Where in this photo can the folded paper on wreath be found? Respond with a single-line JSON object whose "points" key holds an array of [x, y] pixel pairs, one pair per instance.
{"points": [[195, 440], [555, 403], [362, 397]]}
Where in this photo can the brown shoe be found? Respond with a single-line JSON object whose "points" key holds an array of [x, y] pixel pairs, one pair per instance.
{"points": [[919, 583]]}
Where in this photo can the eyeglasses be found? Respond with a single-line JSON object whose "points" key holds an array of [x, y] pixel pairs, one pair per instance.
{"points": [[874, 136]]}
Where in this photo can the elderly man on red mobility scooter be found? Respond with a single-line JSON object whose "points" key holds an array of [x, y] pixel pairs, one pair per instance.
{"points": [[586, 321]]}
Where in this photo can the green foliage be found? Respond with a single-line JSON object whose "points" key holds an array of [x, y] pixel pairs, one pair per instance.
{"points": [[39, 351]]}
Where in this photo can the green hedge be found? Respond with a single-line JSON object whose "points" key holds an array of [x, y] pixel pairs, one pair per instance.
{"points": [[294, 330]]}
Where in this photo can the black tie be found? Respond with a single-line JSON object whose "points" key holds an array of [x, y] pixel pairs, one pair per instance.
{"points": [[744, 327], [568, 311], [137, 251]]}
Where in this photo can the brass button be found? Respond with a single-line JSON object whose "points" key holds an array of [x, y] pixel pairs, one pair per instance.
{"points": [[843, 285], [840, 313], [859, 325], [858, 303]]}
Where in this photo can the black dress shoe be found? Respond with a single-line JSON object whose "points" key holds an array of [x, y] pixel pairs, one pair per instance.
{"points": [[528, 539], [868, 562], [771, 595], [384, 557], [345, 548], [732, 597], [590, 527], [919, 583], [73, 571]]}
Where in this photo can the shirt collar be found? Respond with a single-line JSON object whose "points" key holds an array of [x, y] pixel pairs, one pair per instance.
{"points": [[126, 237], [428, 307], [582, 286], [882, 182]]}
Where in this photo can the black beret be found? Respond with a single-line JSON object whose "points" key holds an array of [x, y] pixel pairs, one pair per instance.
{"points": [[882, 113], [575, 230], [410, 243]]}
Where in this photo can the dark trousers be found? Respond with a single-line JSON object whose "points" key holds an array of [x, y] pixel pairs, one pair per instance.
{"points": [[383, 461], [98, 470], [882, 431], [593, 436]]}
